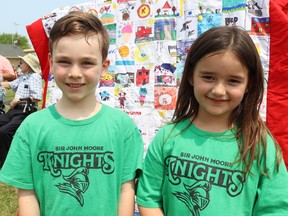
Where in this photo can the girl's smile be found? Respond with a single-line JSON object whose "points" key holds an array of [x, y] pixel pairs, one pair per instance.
{"points": [[220, 82], [217, 101]]}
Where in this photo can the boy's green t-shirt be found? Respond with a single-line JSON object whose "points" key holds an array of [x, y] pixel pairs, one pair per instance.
{"points": [[75, 167], [190, 172]]}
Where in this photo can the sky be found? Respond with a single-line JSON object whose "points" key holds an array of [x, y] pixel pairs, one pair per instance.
{"points": [[15, 15]]}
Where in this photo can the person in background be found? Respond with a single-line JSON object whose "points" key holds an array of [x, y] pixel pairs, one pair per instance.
{"points": [[28, 92], [78, 156], [6, 70], [217, 157]]}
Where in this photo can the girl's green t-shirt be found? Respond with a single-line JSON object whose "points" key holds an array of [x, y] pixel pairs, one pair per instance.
{"points": [[188, 171]]}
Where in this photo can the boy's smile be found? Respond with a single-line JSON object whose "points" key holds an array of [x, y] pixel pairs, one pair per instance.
{"points": [[72, 85], [220, 82], [77, 68]]}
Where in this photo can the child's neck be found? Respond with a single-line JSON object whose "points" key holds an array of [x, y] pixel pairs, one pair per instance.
{"points": [[77, 111], [212, 125]]}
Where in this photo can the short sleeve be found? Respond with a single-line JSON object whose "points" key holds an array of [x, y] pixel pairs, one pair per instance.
{"points": [[272, 192], [14, 173], [35, 86], [14, 84], [133, 154], [149, 190]]}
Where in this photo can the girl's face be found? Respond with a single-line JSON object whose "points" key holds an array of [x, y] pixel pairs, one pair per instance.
{"points": [[220, 82], [77, 66]]}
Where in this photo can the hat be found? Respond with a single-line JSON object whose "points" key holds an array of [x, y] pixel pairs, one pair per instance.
{"points": [[32, 61]]}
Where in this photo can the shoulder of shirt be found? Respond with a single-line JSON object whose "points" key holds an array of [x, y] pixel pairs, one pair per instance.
{"points": [[116, 115], [113, 110], [171, 128], [113, 113], [35, 75], [271, 148], [36, 118], [36, 115], [177, 126]]}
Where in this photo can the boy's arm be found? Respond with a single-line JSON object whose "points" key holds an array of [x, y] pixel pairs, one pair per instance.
{"points": [[150, 211], [27, 203], [127, 199]]}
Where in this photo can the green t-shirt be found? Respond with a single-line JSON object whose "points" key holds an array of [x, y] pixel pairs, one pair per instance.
{"points": [[190, 172], [75, 167]]}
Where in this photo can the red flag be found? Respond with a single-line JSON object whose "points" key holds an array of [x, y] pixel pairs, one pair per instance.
{"points": [[277, 96], [40, 43]]}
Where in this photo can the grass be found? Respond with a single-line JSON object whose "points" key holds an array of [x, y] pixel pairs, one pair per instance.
{"points": [[8, 194], [9, 96], [8, 200]]}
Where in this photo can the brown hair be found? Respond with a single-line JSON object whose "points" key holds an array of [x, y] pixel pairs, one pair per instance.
{"points": [[251, 131], [80, 23]]}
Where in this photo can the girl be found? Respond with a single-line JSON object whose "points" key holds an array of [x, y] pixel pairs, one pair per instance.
{"points": [[217, 157]]}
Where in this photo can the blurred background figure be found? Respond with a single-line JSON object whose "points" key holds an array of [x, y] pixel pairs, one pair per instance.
{"points": [[28, 92], [6, 69]]}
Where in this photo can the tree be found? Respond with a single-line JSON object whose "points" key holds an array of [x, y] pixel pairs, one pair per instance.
{"points": [[16, 39]]}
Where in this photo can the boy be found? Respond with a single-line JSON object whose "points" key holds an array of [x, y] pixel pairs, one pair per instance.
{"points": [[77, 157]]}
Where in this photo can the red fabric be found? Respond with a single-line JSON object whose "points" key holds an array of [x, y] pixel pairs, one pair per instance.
{"points": [[40, 43], [277, 96]]}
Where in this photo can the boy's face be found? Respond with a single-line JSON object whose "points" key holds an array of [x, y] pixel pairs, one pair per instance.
{"points": [[77, 67]]}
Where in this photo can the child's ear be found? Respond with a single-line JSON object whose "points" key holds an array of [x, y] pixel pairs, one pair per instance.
{"points": [[191, 82], [50, 59], [105, 66]]}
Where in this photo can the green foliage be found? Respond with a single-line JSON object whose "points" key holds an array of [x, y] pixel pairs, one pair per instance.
{"points": [[18, 40]]}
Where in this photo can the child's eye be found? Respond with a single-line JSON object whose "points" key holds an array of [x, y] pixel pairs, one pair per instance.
{"points": [[88, 63], [63, 62], [234, 81], [208, 78]]}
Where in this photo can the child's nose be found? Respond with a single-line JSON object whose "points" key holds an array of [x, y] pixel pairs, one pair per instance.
{"points": [[219, 89], [75, 71]]}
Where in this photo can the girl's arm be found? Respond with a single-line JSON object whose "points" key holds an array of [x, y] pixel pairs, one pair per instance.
{"points": [[150, 211], [27, 203], [127, 199]]}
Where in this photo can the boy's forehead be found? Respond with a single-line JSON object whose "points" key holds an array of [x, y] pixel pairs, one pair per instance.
{"points": [[90, 40], [77, 45], [80, 36]]}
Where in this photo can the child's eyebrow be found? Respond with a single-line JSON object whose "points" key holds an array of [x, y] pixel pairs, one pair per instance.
{"points": [[89, 58], [206, 72], [61, 56], [237, 77], [85, 58], [240, 77]]}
